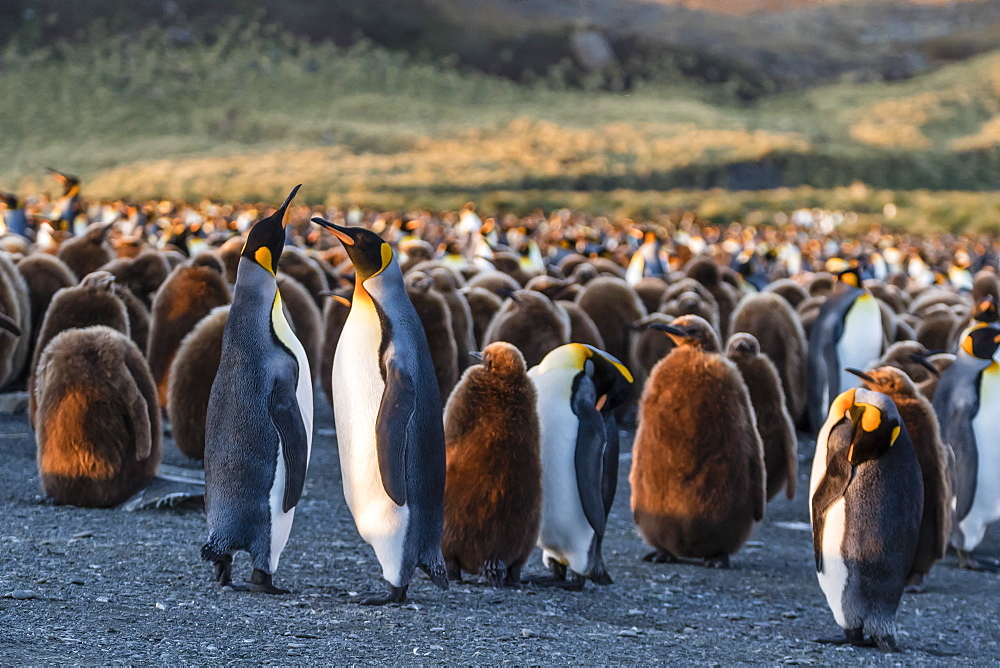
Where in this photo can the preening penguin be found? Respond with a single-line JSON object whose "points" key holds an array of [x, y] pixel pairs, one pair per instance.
{"points": [[774, 424], [866, 497], [190, 292], [578, 388], [698, 481], [967, 405], [389, 423], [934, 457], [98, 427], [493, 487], [847, 333], [258, 431], [191, 376]]}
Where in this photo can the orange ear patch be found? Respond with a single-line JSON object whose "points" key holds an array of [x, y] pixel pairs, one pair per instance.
{"points": [[871, 418], [263, 257]]}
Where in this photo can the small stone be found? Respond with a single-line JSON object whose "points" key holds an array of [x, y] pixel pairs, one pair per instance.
{"points": [[160, 606], [296, 645], [629, 633], [77, 581], [687, 630], [437, 648], [23, 594], [84, 534], [103, 599], [527, 633], [790, 614]]}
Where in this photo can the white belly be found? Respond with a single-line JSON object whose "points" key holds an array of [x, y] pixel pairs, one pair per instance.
{"points": [[861, 343], [986, 426], [357, 393], [833, 577], [565, 534]]}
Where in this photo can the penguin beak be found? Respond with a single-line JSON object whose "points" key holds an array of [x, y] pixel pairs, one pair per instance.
{"points": [[8, 324], [65, 179], [922, 361], [676, 334], [860, 374], [341, 233], [280, 213], [476, 355]]}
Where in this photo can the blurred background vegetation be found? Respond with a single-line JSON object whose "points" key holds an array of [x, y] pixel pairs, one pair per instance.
{"points": [[616, 106]]}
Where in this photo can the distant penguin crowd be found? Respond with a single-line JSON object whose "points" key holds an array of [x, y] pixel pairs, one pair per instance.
{"points": [[482, 374]]}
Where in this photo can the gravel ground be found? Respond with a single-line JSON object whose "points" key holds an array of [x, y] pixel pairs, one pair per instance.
{"points": [[110, 586]]}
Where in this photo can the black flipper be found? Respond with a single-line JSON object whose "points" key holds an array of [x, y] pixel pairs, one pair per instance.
{"points": [[392, 428], [964, 408], [830, 488], [611, 453], [287, 420], [591, 442]]}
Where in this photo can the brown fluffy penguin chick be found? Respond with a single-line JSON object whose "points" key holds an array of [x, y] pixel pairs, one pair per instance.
{"points": [[493, 485], [446, 285], [935, 469], [92, 302], [690, 303], [808, 311], [510, 264], [532, 323], [613, 306], [335, 312], [496, 282], [935, 330], [707, 272], [143, 275], [774, 423], [45, 275], [483, 305], [771, 320], [941, 362], [17, 306], [229, 253], [697, 475], [650, 291], [911, 358], [650, 345], [188, 295], [98, 428], [789, 290], [581, 327], [820, 284], [303, 269], [436, 319], [191, 376], [305, 316], [88, 252], [138, 315]]}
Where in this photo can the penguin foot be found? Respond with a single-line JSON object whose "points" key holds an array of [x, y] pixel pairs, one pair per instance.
{"points": [[260, 583], [392, 595], [495, 571], [513, 578], [718, 561], [454, 571], [970, 563], [854, 637], [438, 573], [886, 644], [915, 584], [660, 557], [224, 570]]}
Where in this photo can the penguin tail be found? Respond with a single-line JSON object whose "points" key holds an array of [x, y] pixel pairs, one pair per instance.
{"points": [[213, 550], [436, 572], [599, 573]]}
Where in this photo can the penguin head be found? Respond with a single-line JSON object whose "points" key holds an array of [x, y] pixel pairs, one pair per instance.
{"points": [[9, 200], [887, 380], [874, 420], [850, 277], [985, 310], [267, 237], [982, 342], [69, 181], [742, 345], [612, 380], [369, 253], [503, 359], [691, 330], [98, 280]]}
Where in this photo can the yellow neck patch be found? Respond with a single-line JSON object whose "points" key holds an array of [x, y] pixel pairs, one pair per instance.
{"points": [[263, 257]]}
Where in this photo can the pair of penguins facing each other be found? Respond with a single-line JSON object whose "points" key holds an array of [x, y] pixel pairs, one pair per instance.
{"points": [[392, 457]]}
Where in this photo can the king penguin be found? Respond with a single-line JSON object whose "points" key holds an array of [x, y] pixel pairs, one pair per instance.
{"points": [[967, 404], [578, 388], [258, 431], [390, 430], [866, 498], [847, 333]]}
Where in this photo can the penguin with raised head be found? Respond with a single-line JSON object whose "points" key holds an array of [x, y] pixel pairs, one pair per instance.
{"points": [[578, 389], [936, 469], [698, 480], [493, 486], [258, 430], [967, 405], [847, 333], [69, 206], [774, 423], [865, 498], [390, 431]]}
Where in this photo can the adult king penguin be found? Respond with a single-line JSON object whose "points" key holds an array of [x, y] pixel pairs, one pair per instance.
{"points": [[258, 431], [866, 497], [967, 404], [578, 389], [390, 431], [847, 333]]}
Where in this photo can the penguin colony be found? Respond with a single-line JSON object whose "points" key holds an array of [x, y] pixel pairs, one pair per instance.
{"points": [[451, 466]]}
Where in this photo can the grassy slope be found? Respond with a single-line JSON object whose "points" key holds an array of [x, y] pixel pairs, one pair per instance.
{"points": [[245, 117]]}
